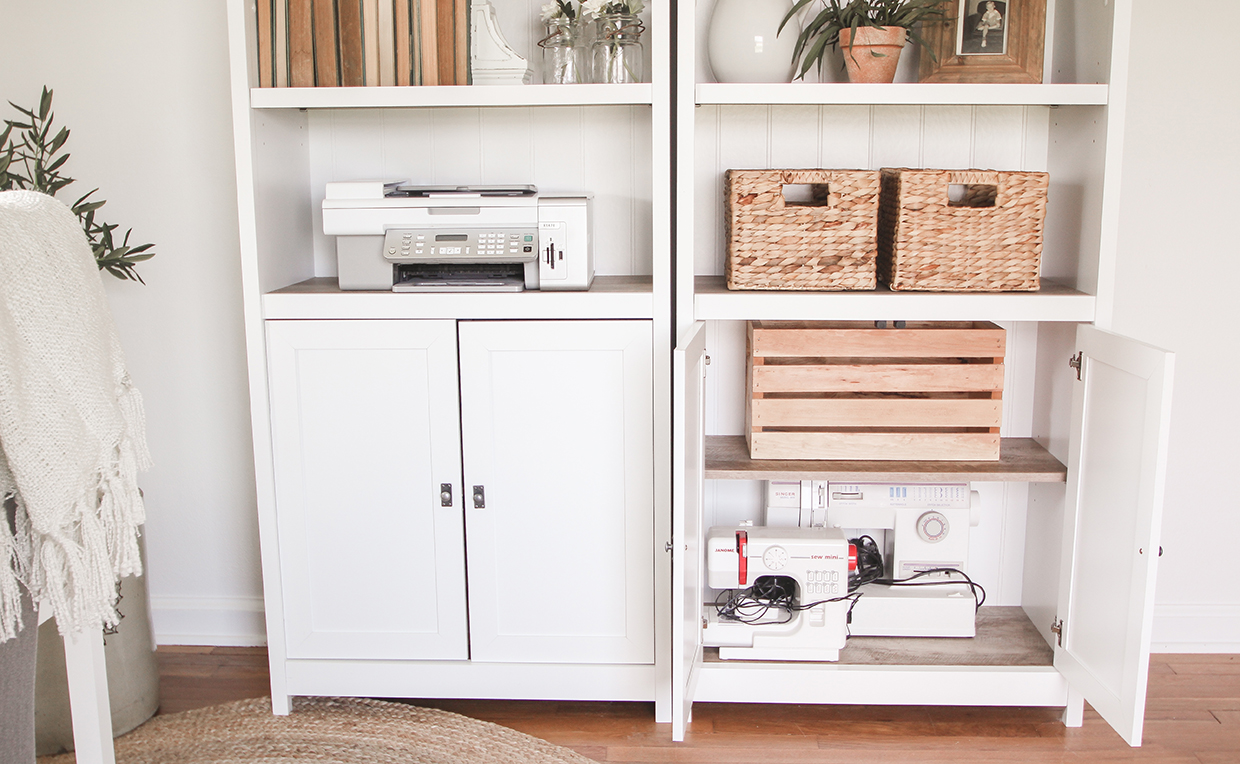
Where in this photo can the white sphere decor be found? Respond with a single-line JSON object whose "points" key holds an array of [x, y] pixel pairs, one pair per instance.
{"points": [[742, 45]]}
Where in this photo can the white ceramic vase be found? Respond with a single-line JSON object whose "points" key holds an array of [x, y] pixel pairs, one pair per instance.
{"points": [[742, 45]]}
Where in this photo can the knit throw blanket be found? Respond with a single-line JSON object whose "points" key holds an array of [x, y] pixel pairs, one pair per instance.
{"points": [[72, 435]]}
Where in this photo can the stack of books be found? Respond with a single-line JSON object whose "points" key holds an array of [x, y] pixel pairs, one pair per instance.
{"points": [[355, 43]]}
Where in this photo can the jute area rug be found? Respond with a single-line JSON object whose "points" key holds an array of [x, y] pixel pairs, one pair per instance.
{"points": [[329, 730]]}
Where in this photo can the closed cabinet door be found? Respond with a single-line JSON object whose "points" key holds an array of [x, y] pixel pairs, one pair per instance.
{"points": [[366, 446], [557, 425]]}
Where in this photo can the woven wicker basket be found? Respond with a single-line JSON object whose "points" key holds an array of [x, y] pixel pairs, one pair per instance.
{"points": [[988, 241], [828, 243]]}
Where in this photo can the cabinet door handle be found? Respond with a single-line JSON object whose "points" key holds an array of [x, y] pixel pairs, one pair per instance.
{"points": [[480, 500], [445, 494]]}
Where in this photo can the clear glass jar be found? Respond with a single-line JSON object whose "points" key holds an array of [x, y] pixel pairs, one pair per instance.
{"points": [[562, 54], [616, 52]]}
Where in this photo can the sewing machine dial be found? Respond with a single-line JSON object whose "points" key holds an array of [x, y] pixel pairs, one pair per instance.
{"points": [[775, 558], [932, 527]]}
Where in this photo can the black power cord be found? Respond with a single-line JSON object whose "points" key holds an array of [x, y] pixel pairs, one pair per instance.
{"points": [[979, 594], [768, 593], [869, 562]]}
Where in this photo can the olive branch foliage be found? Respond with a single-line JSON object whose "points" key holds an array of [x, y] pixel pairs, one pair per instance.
{"points": [[825, 27], [32, 157]]}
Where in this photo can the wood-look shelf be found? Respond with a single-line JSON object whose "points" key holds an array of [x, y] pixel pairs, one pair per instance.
{"points": [[902, 93], [608, 297], [1005, 637], [1020, 460], [452, 95], [1053, 302]]}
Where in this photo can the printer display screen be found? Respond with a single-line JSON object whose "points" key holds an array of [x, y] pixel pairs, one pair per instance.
{"points": [[452, 237]]}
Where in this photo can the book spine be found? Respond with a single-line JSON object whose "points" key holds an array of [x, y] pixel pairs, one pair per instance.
{"points": [[266, 60], [462, 42], [301, 43], [371, 48], [404, 44], [428, 42], [387, 42], [326, 45], [280, 45], [352, 63], [445, 24]]}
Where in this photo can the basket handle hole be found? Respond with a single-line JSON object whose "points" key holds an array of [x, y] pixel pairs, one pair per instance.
{"points": [[807, 195], [972, 194]]}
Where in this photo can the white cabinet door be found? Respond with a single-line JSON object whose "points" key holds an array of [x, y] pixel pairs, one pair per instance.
{"points": [[1121, 413], [688, 472], [365, 430], [557, 425]]}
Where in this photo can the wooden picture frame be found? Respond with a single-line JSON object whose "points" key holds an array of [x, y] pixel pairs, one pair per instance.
{"points": [[999, 41]]}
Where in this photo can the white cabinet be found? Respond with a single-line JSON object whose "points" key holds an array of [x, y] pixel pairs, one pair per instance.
{"points": [[547, 531], [1080, 559]]}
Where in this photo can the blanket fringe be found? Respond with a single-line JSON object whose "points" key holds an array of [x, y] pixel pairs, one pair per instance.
{"points": [[12, 571]]}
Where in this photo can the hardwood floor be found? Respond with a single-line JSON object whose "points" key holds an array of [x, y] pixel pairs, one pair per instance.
{"points": [[1192, 716]]}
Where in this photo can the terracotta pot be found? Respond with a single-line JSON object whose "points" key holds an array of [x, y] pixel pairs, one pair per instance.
{"points": [[873, 55]]}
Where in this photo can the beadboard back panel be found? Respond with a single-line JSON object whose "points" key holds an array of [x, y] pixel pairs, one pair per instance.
{"points": [[603, 150], [860, 137]]}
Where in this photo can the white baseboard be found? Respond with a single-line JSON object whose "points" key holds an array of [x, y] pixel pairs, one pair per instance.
{"points": [[1196, 629], [224, 621]]}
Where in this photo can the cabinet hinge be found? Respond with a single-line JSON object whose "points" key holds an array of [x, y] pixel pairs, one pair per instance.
{"points": [[1057, 630], [1075, 362]]}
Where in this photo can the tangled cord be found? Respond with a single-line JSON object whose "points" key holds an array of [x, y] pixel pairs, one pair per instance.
{"points": [[768, 593]]}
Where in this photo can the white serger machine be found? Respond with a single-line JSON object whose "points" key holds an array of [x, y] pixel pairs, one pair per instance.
{"points": [[410, 238], [812, 564]]}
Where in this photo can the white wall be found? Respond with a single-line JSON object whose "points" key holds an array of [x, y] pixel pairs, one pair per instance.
{"points": [[1175, 289], [143, 86]]}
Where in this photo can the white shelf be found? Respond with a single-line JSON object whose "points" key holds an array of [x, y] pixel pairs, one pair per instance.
{"points": [[906, 93], [451, 95], [610, 297], [1054, 302]]}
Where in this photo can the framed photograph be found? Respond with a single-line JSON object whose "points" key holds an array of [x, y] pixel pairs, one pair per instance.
{"points": [[986, 41]]}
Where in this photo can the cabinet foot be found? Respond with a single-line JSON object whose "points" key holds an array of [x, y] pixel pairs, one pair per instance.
{"points": [[1074, 712]]}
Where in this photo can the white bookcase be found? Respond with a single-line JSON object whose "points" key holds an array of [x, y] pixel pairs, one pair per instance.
{"points": [[1071, 541], [1071, 535], [610, 140]]}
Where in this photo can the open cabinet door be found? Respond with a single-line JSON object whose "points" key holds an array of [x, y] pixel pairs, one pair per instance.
{"points": [[1117, 461], [688, 470]]}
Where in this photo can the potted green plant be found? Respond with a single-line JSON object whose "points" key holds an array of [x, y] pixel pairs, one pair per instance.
{"points": [[872, 33]]}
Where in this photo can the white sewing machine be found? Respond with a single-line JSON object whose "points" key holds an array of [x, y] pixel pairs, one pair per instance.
{"points": [[811, 564]]}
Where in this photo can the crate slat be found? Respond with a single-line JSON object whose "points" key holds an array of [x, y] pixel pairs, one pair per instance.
{"points": [[878, 343], [880, 378], [852, 412], [891, 446]]}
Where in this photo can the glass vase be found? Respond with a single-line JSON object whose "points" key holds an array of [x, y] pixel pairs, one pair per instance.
{"points": [[616, 52], [562, 53]]}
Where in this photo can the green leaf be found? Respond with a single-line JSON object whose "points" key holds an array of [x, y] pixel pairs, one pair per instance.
{"points": [[59, 141], [45, 103]]}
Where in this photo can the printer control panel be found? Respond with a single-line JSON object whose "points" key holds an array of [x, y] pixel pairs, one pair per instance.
{"points": [[460, 245]]}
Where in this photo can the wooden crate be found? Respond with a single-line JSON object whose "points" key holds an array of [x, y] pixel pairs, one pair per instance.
{"points": [[851, 390]]}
